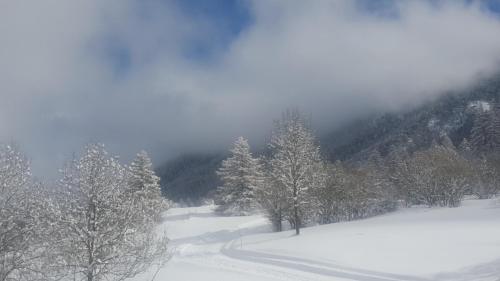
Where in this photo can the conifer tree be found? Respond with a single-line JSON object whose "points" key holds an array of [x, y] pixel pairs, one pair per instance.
{"points": [[465, 149], [446, 141], [241, 175], [482, 132], [145, 184], [495, 126]]}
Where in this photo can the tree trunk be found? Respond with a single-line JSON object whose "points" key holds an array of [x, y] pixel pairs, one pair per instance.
{"points": [[279, 223], [297, 222]]}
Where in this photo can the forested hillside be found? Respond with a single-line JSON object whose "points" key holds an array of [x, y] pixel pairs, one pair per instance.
{"points": [[453, 114], [190, 178]]}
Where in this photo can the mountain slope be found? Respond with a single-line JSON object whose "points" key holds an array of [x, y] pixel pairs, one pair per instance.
{"points": [[452, 114], [192, 177]]}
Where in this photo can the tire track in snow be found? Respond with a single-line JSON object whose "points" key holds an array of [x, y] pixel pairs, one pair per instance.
{"points": [[311, 266], [221, 262], [206, 250]]}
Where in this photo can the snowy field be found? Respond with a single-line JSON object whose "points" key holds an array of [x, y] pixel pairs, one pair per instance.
{"points": [[414, 244]]}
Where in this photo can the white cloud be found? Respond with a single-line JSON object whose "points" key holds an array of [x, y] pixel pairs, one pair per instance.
{"points": [[60, 87]]}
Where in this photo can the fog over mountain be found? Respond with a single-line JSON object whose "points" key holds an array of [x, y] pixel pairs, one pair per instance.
{"points": [[162, 76]]}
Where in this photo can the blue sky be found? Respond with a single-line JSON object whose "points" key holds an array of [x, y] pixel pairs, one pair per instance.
{"points": [[231, 17], [227, 17]]}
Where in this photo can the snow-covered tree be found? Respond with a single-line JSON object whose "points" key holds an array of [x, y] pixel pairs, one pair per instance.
{"points": [[241, 175], [495, 126], [352, 192], [438, 176], [294, 163], [483, 137], [329, 196], [360, 196], [487, 176], [24, 219], [272, 197], [397, 171], [104, 234], [465, 149], [145, 184], [485, 181], [446, 141], [16, 228], [381, 190], [379, 173]]}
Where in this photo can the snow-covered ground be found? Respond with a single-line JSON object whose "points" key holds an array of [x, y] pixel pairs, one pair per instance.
{"points": [[412, 244]]}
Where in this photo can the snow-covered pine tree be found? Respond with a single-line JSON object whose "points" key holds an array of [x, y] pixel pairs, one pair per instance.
{"points": [[241, 175], [465, 149], [482, 137], [103, 234], [495, 126], [485, 141], [295, 162], [145, 184], [446, 141]]}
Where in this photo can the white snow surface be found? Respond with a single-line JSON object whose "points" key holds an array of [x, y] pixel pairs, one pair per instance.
{"points": [[414, 244]]}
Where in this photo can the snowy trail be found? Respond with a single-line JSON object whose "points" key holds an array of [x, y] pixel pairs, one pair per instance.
{"points": [[313, 266], [207, 251], [461, 244]]}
